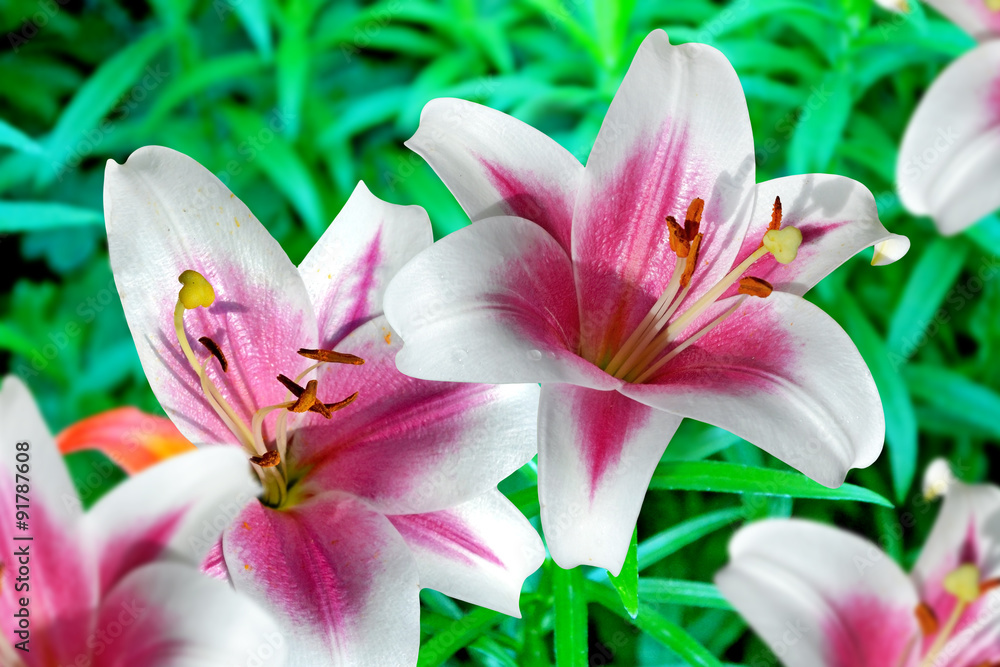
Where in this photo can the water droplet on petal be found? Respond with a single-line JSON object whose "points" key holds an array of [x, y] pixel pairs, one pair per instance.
{"points": [[459, 356], [534, 355]]}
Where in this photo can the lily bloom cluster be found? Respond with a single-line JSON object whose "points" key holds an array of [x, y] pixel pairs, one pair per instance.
{"points": [[118, 584], [824, 597], [949, 161], [656, 283]]}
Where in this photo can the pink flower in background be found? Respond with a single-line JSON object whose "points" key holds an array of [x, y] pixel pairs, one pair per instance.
{"points": [[949, 160], [823, 597], [376, 484], [110, 587], [657, 283]]}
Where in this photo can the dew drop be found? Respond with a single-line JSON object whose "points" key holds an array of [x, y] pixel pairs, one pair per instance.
{"points": [[459, 356], [534, 355]]}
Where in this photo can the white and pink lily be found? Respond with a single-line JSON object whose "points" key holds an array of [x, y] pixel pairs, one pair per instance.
{"points": [[118, 584], [631, 289], [949, 160], [388, 487], [824, 597]]}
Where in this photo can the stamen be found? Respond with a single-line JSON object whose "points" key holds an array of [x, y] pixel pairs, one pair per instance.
{"points": [[306, 399], [195, 290], [692, 221], [775, 215], [325, 409], [692, 262], [331, 357], [269, 460], [963, 583], [291, 386], [755, 287], [989, 585], [216, 351], [927, 619], [340, 405]]}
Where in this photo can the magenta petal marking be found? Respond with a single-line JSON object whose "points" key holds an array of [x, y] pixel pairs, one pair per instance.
{"points": [[443, 533], [138, 546], [525, 196], [866, 631], [606, 423], [364, 272]]}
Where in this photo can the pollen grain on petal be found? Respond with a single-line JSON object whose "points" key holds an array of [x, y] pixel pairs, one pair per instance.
{"points": [[270, 459], [927, 619], [331, 357], [755, 287], [216, 351]]}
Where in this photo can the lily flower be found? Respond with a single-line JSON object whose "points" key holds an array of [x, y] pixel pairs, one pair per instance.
{"points": [[949, 159], [376, 484], [118, 584], [824, 597], [657, 283]]}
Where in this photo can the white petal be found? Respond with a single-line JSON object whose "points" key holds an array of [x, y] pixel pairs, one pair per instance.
{"points": [[949, 161], [176, 509], [976, 17], [480, 551], [495, 165], [782, 374], [596, 454], [50, 484], [678, 129], [169, 615], [348, 269], [494, 302], [167, 214], [820, 596]]}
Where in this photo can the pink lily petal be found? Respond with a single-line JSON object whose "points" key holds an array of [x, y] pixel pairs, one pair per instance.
{"points": [[949, 161], [167, 214], [62, 588], [347, 271], [677, 129], [480, 551], [783, 375], [820, 596], [495, 165], [408, 445], [511, 317], [178, 507], [597, 452], [837, 217], [132, 439], [164, 615], [976, 17], [336, 575]]}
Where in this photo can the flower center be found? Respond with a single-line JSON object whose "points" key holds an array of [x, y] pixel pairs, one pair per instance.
{"points": [[640, 356], [267, 459], [965, 585]]}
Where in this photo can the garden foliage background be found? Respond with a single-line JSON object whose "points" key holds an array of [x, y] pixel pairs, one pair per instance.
{"points": [[292, 102]]}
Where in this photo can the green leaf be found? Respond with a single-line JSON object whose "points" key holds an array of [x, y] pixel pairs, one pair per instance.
{"points": [[627, 581], [253, 16], [462, 632], [678, 591], [965, 400], [672, 539], [571, 617], [11, 137], [722, 477], [662, 630], [900, 416], [821, 123], [33, 216], [77, 131], [93, 474], [930, 280]]}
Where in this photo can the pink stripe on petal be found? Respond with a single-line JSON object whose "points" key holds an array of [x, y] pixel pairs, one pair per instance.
{"points": [[867, 631], [606, 424], [142, 544], [445, 534], [526, 195], [363, 277]]}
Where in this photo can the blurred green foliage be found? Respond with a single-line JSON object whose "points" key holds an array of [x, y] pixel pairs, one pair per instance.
{"points": [[291, 102]]}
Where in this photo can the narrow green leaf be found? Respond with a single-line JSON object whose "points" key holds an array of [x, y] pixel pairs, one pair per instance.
{"points": [[678, 591], [571, 617], [436, 650], [821, 123], [965, 400], [77, 131], [627, 581], [659, 628], [33, 216], [253, 15], [930, 280], [900, 416], [11, 137], [677, 537], [722, 477]]}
